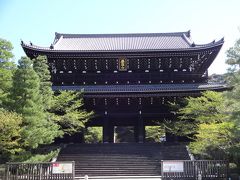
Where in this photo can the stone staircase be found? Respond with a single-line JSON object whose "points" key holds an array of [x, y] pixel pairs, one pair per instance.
{"points": [[123, 159]]}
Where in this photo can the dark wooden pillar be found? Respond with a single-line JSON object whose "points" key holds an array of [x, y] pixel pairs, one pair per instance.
{"points": [[108, 130], [140, 129], [136, 130], [105, 128]]}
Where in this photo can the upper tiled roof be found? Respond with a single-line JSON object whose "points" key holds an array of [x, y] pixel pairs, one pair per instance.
{"points": [[120, 42], [123, 42]]}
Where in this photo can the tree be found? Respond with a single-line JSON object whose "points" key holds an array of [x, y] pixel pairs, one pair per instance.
{"points": [[5, 50], [10, 134], [27, 101], [154, 133], [67, 111], [41, 68], [214, 140], [233, 97], [208, 118], [208, 108], [6, 70], [93, 135], [233, 57]]}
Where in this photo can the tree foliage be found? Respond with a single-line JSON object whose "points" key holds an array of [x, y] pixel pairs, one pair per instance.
{"points": [[5, 50], [67, 111], [154, 133], [33, 115], [208, 119], [10, 133], [6, 70], [233, 57], [40, 66], [93, 135], [214, 140], [233, 96], [208, 108], [27, 101]]}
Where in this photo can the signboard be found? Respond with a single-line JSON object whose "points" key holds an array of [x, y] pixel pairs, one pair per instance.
{"points": [[122, 64], [62, 168], [172, 166]]}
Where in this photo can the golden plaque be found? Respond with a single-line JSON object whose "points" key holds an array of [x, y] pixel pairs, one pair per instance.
{"points": [[122, 64]]}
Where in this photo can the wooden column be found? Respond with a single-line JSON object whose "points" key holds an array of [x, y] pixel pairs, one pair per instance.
{"points": [[105, 128], [140, 129], [108, 130], [136, 131]]}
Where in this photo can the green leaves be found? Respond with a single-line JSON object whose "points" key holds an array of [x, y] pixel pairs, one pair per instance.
{"points": [[215, 136], [67, 111], [209, 119], [5, 50], [93, 135], [233, 57], [27, 101], [154, 133], [41, 68], [33, 115], [10, 133], [208, 108], [7, 68]]}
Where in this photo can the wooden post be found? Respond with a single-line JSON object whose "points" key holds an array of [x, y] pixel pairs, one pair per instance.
{"points": [[7, 171], [141, 129], [110, 132], [105, 128], [73, 170]]}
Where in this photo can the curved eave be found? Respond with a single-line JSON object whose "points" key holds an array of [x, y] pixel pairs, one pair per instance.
{"points": [[197, 47]]}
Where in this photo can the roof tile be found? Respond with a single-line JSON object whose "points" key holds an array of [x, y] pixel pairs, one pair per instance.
{"points": [[110, 42]]}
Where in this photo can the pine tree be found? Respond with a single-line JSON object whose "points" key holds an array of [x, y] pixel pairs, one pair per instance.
{"points": [[27, 101], [66, 106], [67, 111], [233, 96], [233, 57], [10, 134], [6, 70], [40, 66]]}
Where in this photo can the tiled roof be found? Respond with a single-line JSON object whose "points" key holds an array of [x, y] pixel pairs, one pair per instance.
{"points": [[119, 42], [143, 88], [123, 42]]}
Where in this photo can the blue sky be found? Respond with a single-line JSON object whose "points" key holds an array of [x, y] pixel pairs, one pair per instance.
{"points": [[38, 20]]}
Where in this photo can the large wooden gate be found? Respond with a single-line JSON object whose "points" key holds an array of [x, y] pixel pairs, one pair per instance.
{"points": [[40, 171], [194, 170]]}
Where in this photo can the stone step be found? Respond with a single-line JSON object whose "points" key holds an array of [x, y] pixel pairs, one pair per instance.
{"points": [[120, 159], [110, 159]]}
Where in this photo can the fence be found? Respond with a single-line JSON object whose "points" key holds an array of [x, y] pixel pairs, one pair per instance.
{"points": [[2, 174], [198, 170], [40, 171]]}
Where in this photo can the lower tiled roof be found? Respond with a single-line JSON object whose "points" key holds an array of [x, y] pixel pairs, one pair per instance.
{"points": [[154, 88]]}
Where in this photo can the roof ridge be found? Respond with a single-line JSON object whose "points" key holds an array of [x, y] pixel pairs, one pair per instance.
{"points": [[66, 35]]}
